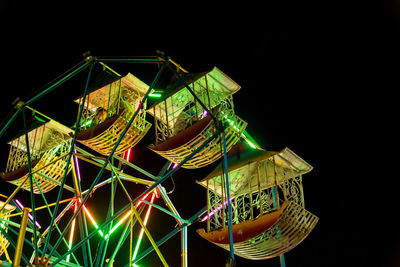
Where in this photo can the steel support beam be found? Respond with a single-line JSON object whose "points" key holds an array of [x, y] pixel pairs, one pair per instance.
{"points": [[110, 155], [21, 236], [151, 188]]}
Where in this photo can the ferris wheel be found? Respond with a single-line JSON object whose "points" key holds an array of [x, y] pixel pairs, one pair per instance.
{"points": [[55, 216]]}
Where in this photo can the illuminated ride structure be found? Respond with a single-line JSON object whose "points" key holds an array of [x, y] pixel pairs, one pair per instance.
{"points": [[266, 194], [4, 226], [49, 144], [255, 202], [107, 112], [190, 112]]}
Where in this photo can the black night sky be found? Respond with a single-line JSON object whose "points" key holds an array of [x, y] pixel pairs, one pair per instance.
{"points": [[316, 76]]}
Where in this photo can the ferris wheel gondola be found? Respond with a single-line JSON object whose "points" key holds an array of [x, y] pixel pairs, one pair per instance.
{"points": [[107, 111], [49, 144], [267, 200], [182, 124]]}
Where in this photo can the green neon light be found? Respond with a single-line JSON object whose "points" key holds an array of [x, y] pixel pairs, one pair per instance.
{"points": [[118, 224], [146, 218], [97, 227], [87, 123], [155, 95], [245, 135], [92, 220], [137, 247], [71, 238], [248, 142], [123, 218], [39, 119]]}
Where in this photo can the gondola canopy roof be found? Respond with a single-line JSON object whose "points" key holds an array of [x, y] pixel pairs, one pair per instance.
{"points": [[176, 96], [245, 169], [98, 96]]}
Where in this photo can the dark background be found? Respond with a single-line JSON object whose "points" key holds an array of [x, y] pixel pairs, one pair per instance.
{"points": [[318, 77]]}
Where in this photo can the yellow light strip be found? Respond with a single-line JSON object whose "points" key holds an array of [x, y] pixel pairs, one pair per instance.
{"points": [[92, 220], [110, 69], [38, 208], [149, 236]]}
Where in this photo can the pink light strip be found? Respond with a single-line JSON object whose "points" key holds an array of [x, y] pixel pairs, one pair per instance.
{"points": [[78, 173], [29, 214], [215, 211]]}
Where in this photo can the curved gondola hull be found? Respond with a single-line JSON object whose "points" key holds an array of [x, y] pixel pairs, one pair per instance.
{"points": [[177, 148], [293, 225]]}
